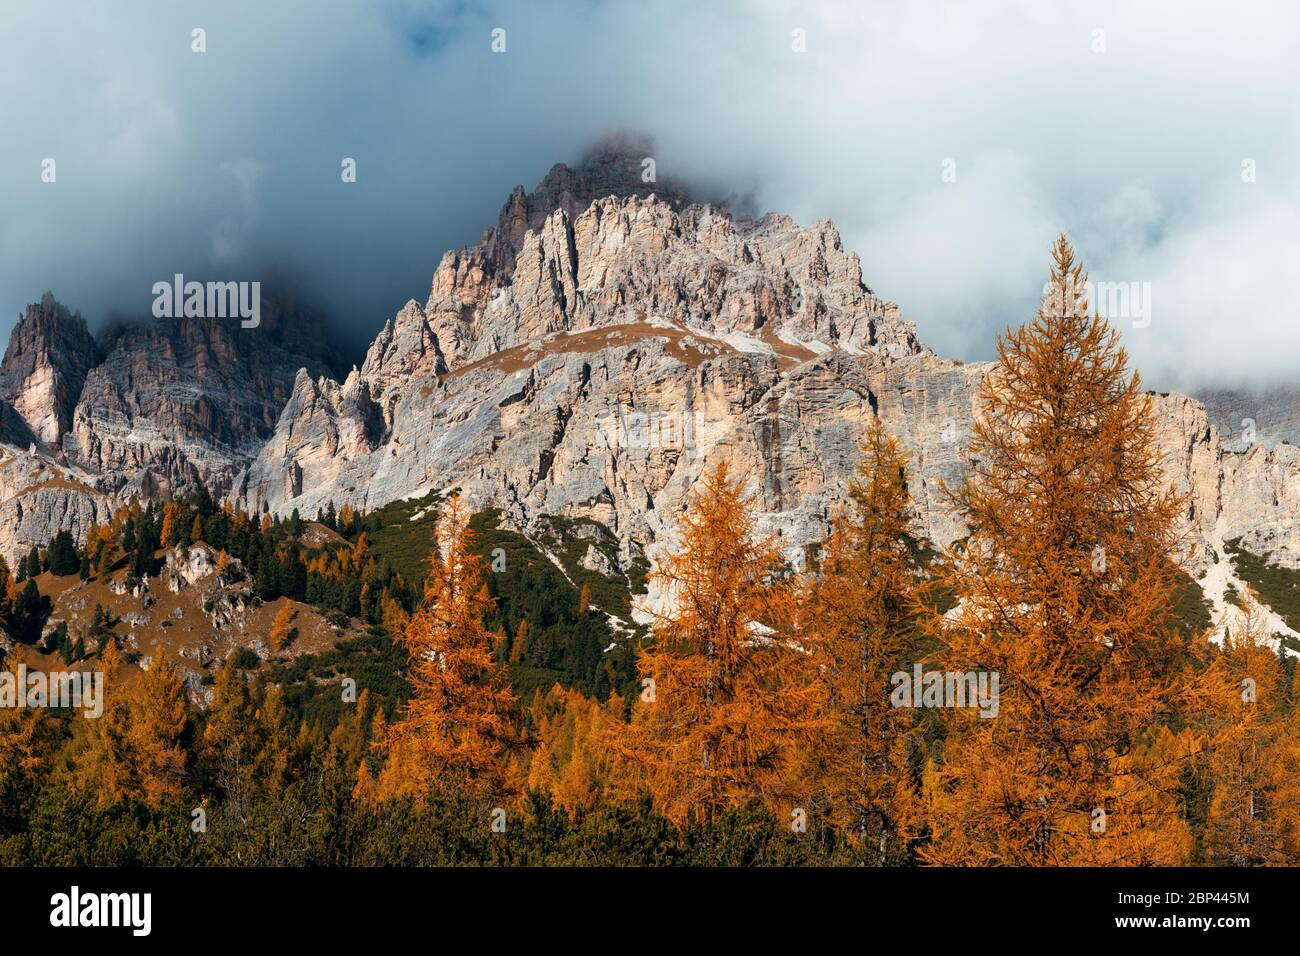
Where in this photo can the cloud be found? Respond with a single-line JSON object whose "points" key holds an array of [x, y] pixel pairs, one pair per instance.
{"points": [[1124, 124]]}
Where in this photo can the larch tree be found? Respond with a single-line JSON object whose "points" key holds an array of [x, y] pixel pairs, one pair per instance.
{"points": [[1254, 757], [230, 745], [862, 610], [282, 630], [1065, 586], [278, 760], [461, 723], [170, 533], [101, 760], [728, 703], [520, 642], [159, 715], [28, 736], [572, 760]]}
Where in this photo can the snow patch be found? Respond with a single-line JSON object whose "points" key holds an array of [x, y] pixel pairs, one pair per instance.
{"points": [[1226, 616]]}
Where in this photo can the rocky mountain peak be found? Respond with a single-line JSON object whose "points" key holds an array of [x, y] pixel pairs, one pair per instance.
{"points": [[603, 344], [641, 261], [615, 166], [49, 355]]}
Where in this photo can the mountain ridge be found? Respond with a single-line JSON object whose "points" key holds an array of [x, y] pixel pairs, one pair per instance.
{"points": [[596, 300]]}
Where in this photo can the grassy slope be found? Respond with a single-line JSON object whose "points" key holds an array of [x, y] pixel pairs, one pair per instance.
{"points": [[564, 645]]}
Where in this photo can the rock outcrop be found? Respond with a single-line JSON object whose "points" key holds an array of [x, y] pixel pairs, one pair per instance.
{"points": [[49, 356], [1269, 416], [40, 496], [628, 341], [154, 408], [755, 336], [179, 401]]}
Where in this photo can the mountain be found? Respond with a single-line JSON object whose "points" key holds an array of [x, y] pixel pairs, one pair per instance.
{"points": [[50, 354], [1269, 416], [505, 382], [602, 344], [178, 401], [152, 408]]}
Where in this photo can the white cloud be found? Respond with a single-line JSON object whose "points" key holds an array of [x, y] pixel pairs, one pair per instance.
{"points": [[1136, 151]]}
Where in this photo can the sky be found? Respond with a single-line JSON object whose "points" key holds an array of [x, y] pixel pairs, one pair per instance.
{"points": [[950, 143]]}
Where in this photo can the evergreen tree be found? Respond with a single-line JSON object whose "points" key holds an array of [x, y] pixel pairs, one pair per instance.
{"points": [[59, 642], [202, 501], [62, 554], [101, 630], [30, 611]]}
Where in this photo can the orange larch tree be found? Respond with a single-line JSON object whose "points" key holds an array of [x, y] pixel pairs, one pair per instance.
{"points": [[1065, 588], [461, 724], [862, 608], [100, 759], [170, 534], [282, 630], [572, 760], [159, 714], [728, 703], [1254, 760]]}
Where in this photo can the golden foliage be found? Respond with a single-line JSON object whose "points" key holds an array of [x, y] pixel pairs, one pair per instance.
{"points": [[282, 630], [1065, 588], [158, 719], [1254, 765], [460, 725], [730, 701], [862, 617], [101, 749], [572, 761], [169, 535]]}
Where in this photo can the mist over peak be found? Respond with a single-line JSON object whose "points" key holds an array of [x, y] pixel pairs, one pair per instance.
{"points": [[231, 162]]}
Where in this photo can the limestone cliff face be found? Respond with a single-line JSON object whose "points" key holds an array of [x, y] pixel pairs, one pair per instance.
{"points": [[603, 344], [626, 342], [613, 167], [635, 260], [40, 496], [49, 355], [518, 378], [179, 401], [158, 406], [618, 424], [1269, 416]]}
